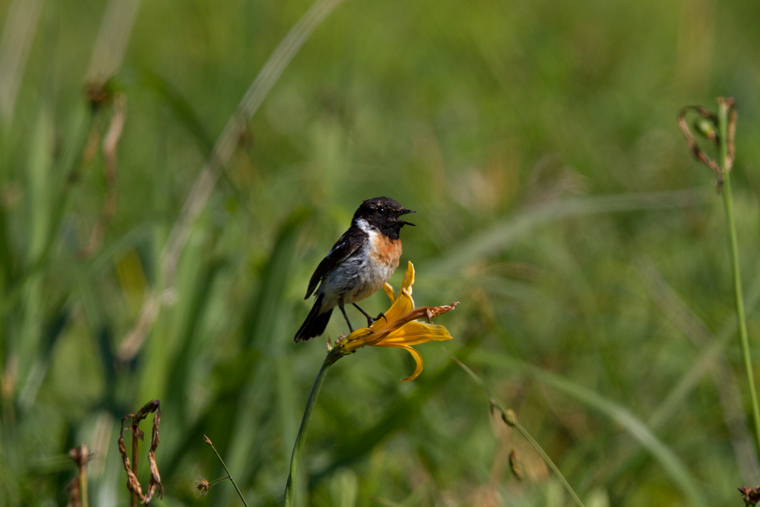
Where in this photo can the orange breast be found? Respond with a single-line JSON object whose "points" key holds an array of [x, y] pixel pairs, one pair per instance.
{"points": [[386, 251]]}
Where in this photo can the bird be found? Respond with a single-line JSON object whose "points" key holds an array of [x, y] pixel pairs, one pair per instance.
{"points": [[360, 262]]}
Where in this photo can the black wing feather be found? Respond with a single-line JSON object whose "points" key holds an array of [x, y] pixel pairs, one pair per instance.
{"points": [[347, 245]]}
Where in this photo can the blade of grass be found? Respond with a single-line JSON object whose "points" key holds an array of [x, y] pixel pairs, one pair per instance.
{"points": [[671, 464], [47, 213], [39, 190], [511, 420], [181, 108], [674, 402], [113, 37], [709, 356], [157, 366], [21, 23], [494, 239], [223, 151], [726, 385], [225, 145], [263, 322]]}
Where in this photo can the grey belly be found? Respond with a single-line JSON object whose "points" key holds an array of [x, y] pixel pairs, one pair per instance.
{"points": [[352, 281]]}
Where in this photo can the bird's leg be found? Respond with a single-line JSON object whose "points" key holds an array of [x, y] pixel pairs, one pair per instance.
{"points": [[370, 320], [340, 305]]}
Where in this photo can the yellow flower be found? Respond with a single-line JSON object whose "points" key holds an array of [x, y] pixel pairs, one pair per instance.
{"points": [[399, 326]]}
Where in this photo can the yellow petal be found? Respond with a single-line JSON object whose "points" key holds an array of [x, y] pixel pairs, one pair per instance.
{"points": [[358, 333], [414, 333], [418, 359], [400, 307], [408, 280], [358, 338], [388, 288]]}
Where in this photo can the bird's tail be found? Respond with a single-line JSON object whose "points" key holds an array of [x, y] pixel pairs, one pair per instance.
{"points": [[315, 322]]}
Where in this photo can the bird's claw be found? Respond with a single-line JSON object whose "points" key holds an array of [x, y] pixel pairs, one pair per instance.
{"points": [[372, 320]]}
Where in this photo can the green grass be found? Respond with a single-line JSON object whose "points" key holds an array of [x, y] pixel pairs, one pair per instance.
{"points": [[556, 200]]}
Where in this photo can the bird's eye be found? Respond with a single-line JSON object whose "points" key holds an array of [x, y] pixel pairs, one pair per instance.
{"points": [[381, 211]]}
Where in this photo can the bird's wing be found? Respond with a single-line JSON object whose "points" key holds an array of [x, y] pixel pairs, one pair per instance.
{"points": [[347, 245]]}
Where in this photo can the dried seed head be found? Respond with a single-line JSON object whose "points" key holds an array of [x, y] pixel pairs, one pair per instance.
{"points": [[706, 128], [510, 418], [133, 484], [202, 487], [515, 465], [80, 455], [751, 496], [99, 92]]}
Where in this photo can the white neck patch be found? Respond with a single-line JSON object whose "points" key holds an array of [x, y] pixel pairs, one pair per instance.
{"points": [[364, 225]]}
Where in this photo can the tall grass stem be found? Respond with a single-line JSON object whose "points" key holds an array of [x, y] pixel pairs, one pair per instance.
{"points": [[229, 475], [724, 108]]}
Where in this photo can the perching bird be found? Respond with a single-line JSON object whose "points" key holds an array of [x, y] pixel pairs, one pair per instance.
{"points": [[360, 262]]}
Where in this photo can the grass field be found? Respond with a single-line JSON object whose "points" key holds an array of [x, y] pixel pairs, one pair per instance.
{"points": [[155, 245]]}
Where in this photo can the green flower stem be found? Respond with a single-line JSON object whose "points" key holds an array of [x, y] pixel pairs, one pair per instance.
{"points": [[723, 114], [332, 356]]}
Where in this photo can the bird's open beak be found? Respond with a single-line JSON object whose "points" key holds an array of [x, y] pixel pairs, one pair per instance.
{"points": [[404, 212]]}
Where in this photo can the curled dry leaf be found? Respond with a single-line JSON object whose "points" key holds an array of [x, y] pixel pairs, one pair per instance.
{"points": [[133, 484]]}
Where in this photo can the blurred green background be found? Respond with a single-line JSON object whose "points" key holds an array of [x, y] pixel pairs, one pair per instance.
{"points": [[556, 200]]}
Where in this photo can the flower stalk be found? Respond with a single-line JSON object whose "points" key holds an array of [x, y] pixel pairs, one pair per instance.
{"points": [[295, 458]]}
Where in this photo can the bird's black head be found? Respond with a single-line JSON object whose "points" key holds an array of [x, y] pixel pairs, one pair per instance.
{"points": [[383, 213]]}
